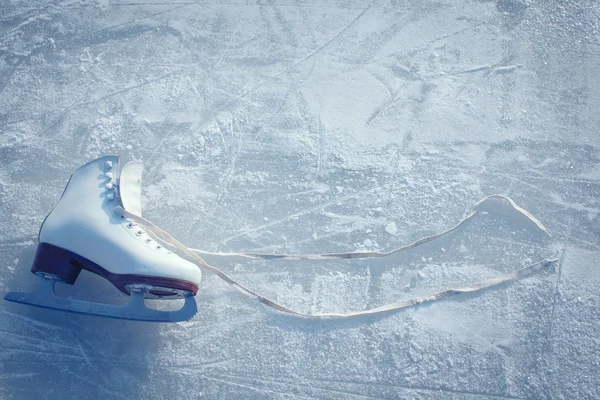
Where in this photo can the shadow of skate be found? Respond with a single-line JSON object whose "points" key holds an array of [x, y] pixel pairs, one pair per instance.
{"points": [[59, 348]]}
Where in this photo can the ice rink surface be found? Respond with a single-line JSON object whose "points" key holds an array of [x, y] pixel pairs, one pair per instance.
{"points": [[306, 126]]}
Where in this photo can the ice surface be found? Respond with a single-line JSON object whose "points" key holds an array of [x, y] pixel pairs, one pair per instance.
{"points": [[305, 126]]}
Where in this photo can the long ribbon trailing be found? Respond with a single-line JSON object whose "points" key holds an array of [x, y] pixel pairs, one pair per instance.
{"points": [[190, 255], [375, 254]]}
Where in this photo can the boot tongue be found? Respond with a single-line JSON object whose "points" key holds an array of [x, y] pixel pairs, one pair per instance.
{"points": [[130, 187]]}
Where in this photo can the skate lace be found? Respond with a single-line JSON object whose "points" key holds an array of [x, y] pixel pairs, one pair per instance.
{"points": [[131, 224], [112, 188], [192, 255]]}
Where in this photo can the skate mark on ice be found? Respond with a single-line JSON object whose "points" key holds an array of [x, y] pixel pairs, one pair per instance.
{"points": [[10, 74], [55, 357], [225, 146], [60, 116], [162, 123], [154, 4], [578, 241], [426, 46], [255, 388], [312, 209], [41, 326], [32, 12], [466, 392], [512, 242], [323, 46], [470, 71], [75, 354], [208, 71], [449, 35], [243, 379], [545, 178], [28, 339], [464, 85], [199, 366], [265, 5], [381, 109], [542, 191], [30, 18], [248, 92], [319, 150], [406, 140], [48, 363], [416, 388], [18, 376], [550, 360], [139, 19], [222, 192], [576, 263], [85, 101], [495, 69], [382, 80], [94, 384], [301, 193], [87, 360], [138, 85], [297, 64]]}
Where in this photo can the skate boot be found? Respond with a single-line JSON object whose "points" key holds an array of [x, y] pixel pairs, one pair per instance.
{"points": [[84, 231]]}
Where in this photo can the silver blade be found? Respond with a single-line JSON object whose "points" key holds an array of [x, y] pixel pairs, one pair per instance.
{"points": [[135, 309]]}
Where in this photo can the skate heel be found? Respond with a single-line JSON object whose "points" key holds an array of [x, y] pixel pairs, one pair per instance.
{"points": [[54, 260]]}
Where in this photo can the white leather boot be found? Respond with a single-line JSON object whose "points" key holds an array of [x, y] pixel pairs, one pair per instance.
{"points": [[83, 231]]}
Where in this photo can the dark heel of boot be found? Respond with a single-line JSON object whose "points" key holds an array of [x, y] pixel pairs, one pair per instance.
{"points": [[56, 261]]}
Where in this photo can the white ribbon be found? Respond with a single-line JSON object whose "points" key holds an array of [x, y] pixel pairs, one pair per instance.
{"points": [[192, 255]]}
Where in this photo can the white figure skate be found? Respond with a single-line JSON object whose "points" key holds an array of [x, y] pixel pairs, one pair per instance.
{"points": [[84, 231]]}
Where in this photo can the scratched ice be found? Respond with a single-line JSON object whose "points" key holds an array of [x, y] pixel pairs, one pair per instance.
{"points": [[306, 126]]}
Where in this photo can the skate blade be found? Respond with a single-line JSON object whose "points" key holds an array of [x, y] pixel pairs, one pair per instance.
{"points": [[135, 309]]}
